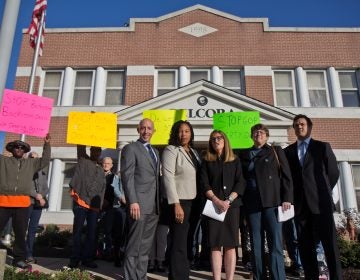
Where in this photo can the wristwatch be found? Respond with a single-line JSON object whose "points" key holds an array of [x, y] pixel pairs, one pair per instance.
{"points": [[230, 199]]}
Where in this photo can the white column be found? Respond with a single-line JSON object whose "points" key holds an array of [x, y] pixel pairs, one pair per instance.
{"points": [[184, 76], [347, 185], [121, 145], [302, 87], [335, 87], [56, 185], [68, 88], [100, 87], [215, 75]]}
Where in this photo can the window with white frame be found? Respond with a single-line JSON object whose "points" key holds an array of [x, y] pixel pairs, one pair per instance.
{"points": [[232, 79], [317, 87], [356, 180], [167, 80], [83, 87], [52, 85], [68, 172], [114, 88], [284, 87], [199, 74], [349, 88]]}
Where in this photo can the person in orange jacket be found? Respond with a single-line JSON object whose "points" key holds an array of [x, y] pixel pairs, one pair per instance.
{"points": [[16, 174]]}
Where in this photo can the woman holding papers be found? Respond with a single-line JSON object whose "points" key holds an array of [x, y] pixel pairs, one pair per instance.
{"points": [[180, 163], [223, 183], [268, 185]]}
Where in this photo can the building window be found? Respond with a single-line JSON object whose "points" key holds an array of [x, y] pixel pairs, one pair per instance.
{"points": [[52, 86], [356, 180], [167, 81], [66, 201], [317, 87], [83, 87], [232, 79], [284, 88], [199, 74], [114, 88], [349, 88]]}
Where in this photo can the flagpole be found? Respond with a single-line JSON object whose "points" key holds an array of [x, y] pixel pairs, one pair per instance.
{"points": [[35, 60]]}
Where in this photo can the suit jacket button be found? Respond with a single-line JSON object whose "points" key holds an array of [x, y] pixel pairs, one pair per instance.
{"points": [[224, 187], [270, 177]]}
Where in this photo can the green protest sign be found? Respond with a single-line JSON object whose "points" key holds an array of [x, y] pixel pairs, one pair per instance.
{"points": [[236, 126]]}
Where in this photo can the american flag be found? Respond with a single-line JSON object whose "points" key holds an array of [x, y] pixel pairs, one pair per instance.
{"points": [[40, 7]]}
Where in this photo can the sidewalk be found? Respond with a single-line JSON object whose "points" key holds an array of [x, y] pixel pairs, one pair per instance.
{"points": [[107, 270]]}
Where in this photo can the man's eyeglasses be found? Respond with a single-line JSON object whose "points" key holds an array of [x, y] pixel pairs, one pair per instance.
{"points": [[19, 148], [217, 138]]}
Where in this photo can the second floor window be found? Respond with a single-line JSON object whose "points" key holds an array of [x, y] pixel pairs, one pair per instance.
{"points": [[349, 88], [284, 88], [317, 86], [199, 74], [114, 88], [52, 86], [167, 81], [83, 88], [232, 80]]}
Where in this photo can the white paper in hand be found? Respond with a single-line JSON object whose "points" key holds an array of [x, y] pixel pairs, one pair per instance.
{"points": [[212, 211], [287, 215]]}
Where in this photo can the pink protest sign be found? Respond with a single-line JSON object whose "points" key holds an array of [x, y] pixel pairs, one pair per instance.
{"points": [[25, 113]]}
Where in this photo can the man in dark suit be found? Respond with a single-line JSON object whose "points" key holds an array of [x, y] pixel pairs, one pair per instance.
{"points": [[140, 169], [315, 173]]}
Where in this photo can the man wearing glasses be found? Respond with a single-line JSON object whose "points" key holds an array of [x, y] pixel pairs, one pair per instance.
{"points": [[16, 175]]}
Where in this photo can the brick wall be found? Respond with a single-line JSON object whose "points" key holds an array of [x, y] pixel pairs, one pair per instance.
{"points": [[260, 88], [234, 44], [138, 89]]}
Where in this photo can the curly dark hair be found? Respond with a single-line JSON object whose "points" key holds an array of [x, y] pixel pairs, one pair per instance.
{"points": [[174, 134]]}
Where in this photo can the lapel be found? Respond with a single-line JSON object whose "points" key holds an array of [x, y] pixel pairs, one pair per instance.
{"points": [[145, 152], [186, 155], [294, 154]]}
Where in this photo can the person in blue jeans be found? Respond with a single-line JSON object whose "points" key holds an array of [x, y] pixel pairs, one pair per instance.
{"points": [[292, 246], [87, 188], [268, 185], [38, 203]]}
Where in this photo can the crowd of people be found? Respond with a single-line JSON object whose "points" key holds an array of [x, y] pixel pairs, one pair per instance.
{"points": [[150, 212]]}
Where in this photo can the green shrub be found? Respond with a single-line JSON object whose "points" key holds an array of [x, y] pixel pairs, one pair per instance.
{"points": [[53, 237], [12, 273], [349, 253]]}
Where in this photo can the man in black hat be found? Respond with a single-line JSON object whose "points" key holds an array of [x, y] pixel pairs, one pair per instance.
{"points": [[16, 175]]}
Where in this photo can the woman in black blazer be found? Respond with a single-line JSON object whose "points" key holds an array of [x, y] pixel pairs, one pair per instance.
{"points": [[268, 185], [223, 183]]}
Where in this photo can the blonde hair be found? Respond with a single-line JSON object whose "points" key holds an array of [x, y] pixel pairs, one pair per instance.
{"points": [[227, 152]]}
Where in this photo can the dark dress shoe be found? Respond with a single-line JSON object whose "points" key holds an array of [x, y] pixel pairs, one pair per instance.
{"points": [[161, 268], [73, 264], [151, 268], [90, 264]]}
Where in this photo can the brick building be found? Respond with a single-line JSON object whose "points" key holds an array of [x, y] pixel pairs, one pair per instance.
{"points": [[205, 61]]}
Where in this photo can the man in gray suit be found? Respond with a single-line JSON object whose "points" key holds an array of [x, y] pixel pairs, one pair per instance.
{"points": [[140, 169]]}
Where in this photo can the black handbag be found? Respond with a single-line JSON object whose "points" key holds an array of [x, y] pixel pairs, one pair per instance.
{"points": [[38, 206]]}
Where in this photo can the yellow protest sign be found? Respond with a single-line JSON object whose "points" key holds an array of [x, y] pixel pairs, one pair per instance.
{"points": [[163, 121], [92, 129]]}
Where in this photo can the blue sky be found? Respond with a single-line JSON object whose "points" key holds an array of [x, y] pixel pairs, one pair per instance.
{"points": [[114, 13]]}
